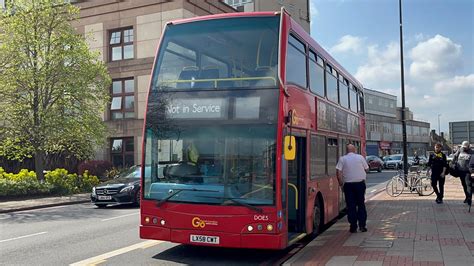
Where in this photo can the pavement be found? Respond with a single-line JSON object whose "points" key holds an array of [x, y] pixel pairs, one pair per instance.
{"points": [[404, 230], [30, 204]]}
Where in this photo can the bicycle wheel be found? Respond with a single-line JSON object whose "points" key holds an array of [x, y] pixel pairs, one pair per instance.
{"points": [[423, 186], [395, 187]]}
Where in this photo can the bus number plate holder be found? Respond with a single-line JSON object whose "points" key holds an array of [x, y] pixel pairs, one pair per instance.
{"points": [[204, 239]]}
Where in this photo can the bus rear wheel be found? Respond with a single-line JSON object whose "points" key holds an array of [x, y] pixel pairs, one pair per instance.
{"points": [[317, 218]]}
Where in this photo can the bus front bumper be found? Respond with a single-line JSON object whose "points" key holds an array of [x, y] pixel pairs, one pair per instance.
{"points": [[213, 238]]}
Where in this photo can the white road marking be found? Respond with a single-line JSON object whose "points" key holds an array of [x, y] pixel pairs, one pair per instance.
{"points": [[373, 190], [130, 214], [15, 238], [101, 258]]}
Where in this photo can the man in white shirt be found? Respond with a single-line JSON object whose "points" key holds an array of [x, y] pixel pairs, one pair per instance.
{"points": [[351, 176]]}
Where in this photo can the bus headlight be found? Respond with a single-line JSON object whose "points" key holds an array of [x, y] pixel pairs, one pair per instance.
{"points": [[250, 228], [270, 227]]}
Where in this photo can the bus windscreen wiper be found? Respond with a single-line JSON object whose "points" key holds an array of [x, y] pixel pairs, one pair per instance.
{"points": [[236, 200], [177, 191]]}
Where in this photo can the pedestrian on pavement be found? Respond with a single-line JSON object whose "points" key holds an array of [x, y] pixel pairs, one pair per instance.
{"points": [[438, 164], [351, 175], [416, 159], [462, 159]]}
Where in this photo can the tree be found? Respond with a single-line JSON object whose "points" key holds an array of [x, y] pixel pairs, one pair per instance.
{"points": [[53, 88]]}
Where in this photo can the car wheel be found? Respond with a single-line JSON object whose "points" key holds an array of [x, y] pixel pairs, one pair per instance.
{"points": [[137, 198], [379, 169], [100, 206]]}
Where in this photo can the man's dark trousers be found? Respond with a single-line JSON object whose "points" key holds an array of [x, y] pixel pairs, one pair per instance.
{"points": [[355, 201], [437, 182], [466, 183]]}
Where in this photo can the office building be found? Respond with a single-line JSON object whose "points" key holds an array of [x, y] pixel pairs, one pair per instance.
{"points": [[298, 9], [384, 127], [461, 131], [126, 33]]}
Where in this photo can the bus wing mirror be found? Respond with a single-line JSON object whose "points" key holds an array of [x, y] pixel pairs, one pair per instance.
{"points": [[290, 148]]}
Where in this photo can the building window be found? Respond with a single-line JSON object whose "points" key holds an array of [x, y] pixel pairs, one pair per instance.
{"points": [[123, 99], [121, 44], [121, 152]]}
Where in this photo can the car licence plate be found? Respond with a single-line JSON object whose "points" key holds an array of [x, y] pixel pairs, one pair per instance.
{"points": [[105, 197], [204, 239]]}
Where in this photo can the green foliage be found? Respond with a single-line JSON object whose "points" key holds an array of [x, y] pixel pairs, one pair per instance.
{"points": [[88, 181], [58, 182], [53, 87], [62, 181]]}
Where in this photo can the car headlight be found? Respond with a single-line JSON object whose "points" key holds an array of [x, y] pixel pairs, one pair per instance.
{"points": [[126, 189]]}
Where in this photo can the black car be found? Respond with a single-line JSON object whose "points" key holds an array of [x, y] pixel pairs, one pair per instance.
{"points": [[125, 189]]}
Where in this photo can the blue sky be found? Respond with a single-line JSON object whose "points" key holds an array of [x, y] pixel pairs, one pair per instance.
{"points": [[438, 37]]}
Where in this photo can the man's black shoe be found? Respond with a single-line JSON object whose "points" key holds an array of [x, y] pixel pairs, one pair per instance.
{"points": [[353, 230], [465, 200], [438, 201], [363, 229]]}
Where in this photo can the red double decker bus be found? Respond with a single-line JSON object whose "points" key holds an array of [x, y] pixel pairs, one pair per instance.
{"points": [[246, 118]]}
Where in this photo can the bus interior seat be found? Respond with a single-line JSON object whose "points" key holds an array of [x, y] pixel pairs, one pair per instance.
{"points": [[208, 72], [188, 73], [264, 72]]}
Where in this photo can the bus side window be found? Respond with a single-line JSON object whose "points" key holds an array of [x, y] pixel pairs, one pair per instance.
{"points": [[332, 156], [318, 156]]}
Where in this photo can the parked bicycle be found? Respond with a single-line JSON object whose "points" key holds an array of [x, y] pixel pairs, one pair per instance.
{"points": [[415, 181]]}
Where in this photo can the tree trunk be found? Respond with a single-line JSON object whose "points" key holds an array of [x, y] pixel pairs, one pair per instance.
{"points": [[39, 165]]}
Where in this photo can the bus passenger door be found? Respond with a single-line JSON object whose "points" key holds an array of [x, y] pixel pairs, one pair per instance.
{"points": [[297, 189]]}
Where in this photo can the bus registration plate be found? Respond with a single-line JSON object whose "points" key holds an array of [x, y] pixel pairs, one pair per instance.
{"points": [[105, 197], [204, 239]]}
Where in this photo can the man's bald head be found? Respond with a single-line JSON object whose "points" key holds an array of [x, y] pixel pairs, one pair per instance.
{"points": [[351, 148]]}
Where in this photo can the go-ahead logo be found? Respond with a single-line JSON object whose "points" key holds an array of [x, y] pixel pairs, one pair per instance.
{"points": [[199, 223]]}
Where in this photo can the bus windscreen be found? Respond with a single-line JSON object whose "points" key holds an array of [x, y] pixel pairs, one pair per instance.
{"points": [[211, 164], [218, 53]]}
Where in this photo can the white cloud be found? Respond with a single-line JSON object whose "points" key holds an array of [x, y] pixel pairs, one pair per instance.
{"points": [[436, 58], [433, 84], [348, 43], [382, 69], [458, 84]]}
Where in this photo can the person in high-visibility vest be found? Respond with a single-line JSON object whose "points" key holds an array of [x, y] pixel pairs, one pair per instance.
{"points": [[192, 154]]}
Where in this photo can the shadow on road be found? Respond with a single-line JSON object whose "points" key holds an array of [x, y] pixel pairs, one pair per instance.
{"points": [[195, 255]]}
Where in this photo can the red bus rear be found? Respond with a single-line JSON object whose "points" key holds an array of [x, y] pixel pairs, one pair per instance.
{"points": [[225, 91]]}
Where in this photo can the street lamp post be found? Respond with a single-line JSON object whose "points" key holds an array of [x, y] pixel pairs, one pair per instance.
{"points": [[404, 125]]}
